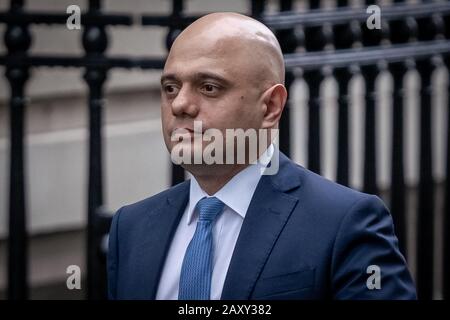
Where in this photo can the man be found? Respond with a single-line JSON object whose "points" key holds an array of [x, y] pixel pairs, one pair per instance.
{"points": [[231, 232]]}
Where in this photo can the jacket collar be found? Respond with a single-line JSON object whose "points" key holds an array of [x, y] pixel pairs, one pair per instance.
{"points": [[268, 212]]}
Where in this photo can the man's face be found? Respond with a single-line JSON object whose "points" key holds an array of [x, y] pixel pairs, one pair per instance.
{"points": [[210, 81]]}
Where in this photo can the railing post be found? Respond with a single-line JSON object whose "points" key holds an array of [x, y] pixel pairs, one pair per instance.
{"points": [[426, 188], [314, 4], [402, 31], [343, 77], [370, 74], [316, 39], [446, 252], [257, 8], [288, 43], [18, 41], [344, 37], [177, 9], [95, 43], [314, 79], [428, 29], [397, 203]]}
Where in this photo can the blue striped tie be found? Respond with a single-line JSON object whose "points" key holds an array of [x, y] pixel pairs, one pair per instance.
{"points": [[196, 271]]}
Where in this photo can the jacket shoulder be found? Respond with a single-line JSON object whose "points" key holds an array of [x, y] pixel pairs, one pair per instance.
{"points": [[325, 196], [152, 202]]}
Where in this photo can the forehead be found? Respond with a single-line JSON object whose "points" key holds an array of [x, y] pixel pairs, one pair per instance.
{"points": [[205, 54]]}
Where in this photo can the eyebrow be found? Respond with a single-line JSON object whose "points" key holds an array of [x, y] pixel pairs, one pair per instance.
{"points": [[199, 76]]}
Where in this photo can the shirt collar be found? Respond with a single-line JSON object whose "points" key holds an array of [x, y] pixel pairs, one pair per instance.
{"points": [[236, 193]]}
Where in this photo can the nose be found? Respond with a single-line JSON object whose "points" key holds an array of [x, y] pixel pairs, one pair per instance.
{"points": [[184, 104]]}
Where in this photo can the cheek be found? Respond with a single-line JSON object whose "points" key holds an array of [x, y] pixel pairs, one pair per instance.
{"points": [[165, 114], [246, 112], [166, 124], [233, 113]]}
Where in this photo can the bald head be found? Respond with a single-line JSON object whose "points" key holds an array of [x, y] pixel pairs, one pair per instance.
{"points": [[248, 46], [226, 71]]}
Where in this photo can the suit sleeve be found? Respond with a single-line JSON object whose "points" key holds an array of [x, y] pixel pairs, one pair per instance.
{"points": [[366, 262], [113, 257]]}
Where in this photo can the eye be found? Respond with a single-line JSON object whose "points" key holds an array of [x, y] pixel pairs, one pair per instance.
{"points": [[170, 89], [210, 89]]}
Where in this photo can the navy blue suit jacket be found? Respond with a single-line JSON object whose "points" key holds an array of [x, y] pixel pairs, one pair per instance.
{"points": [[304, 237]]}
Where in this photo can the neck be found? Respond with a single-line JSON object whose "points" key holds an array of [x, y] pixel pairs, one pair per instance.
{"points": [[213, 180]]}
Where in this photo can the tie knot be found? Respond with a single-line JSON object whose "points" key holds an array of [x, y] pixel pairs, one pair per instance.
{"points": [[209, 208]]}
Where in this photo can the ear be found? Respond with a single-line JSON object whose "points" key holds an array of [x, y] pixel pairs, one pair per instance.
{"points": [[274, 100]]}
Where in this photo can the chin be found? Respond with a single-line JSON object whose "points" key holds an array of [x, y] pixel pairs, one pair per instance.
{"points": [[205, 169]]}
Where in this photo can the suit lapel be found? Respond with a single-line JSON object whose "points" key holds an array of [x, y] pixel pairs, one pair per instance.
{"points": [[161, 226], [267, 214]]}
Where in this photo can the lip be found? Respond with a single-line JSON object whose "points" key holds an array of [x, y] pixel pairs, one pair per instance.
{"points": [[177, 130], [185, 129]]}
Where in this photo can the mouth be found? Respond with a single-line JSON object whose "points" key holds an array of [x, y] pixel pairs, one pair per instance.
{"points": [[186, 130], [182, 134]]}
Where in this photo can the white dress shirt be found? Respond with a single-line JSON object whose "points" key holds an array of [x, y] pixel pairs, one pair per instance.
{"points": [[236, 195]]}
